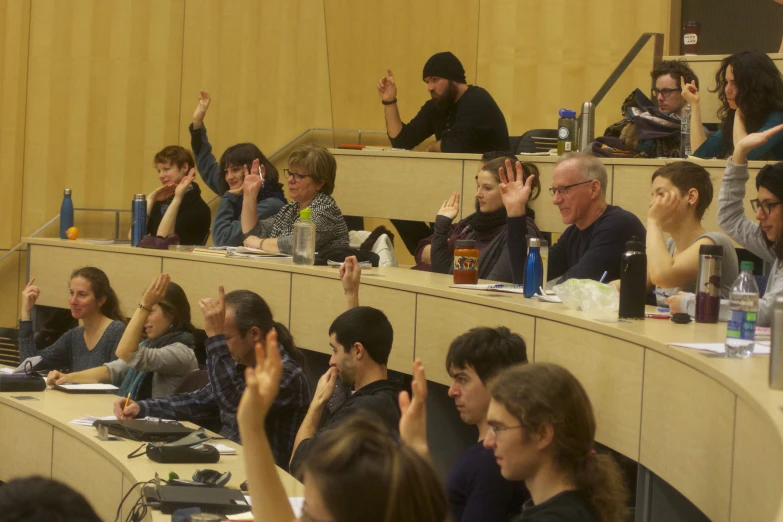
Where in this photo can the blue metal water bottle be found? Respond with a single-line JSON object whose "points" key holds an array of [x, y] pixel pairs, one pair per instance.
{"points": [[139, 210], [66, 214], [534, 268]]}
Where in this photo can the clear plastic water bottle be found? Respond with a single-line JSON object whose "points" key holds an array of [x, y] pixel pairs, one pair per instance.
{"points": [[66, 214], [304, 239], [744, 306], [685, 132]]}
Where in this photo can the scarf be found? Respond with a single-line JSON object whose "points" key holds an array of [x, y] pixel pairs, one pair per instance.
{"points": [[487, 221], [134, 378]]}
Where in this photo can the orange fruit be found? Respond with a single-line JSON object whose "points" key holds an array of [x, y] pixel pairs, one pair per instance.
{"points": [[72, 233]]}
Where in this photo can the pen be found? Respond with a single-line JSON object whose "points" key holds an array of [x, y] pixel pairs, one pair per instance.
{"points": [[603, 276], [657, 316]]}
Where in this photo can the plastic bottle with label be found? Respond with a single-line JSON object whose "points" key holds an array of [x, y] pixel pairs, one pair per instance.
{"points": [[304, 239], [566, 132]]}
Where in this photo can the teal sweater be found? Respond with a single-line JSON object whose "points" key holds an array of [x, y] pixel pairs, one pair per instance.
{"points": [[714, 148]]}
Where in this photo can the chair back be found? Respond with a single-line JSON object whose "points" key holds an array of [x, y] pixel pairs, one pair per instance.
{"points": [[9, 347], [537, 140]]}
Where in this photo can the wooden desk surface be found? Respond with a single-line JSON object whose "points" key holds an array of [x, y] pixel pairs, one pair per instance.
{"points": [[36, 438], [709, 426]]}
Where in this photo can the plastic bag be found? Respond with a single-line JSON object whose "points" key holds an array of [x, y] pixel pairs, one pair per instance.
{"points": [[589, 296]]}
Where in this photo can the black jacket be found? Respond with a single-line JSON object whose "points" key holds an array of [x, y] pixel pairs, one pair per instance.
{"points": [[193, 218]]}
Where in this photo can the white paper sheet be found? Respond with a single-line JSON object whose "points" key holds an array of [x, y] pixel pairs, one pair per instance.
{"points": [[761, 348]]}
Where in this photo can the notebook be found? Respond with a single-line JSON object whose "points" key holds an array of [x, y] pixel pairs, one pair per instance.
{"points": [[86, 388], [144, 430]]}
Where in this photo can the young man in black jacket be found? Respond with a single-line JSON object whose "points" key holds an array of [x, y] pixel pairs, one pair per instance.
{"points": [[361, 340]]}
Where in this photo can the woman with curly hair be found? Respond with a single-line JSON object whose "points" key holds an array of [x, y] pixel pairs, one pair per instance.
{"points": [[750, 89]]}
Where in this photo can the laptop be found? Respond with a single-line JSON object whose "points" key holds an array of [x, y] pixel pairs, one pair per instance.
{"points": [[143, 430], [221, 501]]}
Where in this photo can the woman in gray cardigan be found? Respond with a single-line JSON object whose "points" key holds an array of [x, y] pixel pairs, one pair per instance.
{"points": [[166, 352], [764, 239]]}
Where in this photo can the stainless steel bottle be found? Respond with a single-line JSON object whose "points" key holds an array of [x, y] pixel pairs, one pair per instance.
{"points": [[708, 284], [586, 127], [776, 347]]}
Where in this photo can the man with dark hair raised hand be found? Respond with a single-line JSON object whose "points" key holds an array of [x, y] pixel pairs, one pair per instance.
{"points": [[361, 339], [477, 491]]}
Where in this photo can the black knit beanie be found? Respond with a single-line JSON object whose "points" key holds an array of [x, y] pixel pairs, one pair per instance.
{"points": [[445, 65], [771, 178]]}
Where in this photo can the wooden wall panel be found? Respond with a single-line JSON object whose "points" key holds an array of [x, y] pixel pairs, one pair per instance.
{"points": [[536, 57], [264, 63], [366, 38], [10, 279], [102, 97], [15, 24]]}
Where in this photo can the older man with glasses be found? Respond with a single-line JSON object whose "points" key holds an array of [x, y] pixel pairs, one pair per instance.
{"points": [[595, 238]]}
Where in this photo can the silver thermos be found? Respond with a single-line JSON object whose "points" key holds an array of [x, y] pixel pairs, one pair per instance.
{"points": [[587, 127], [708, 284], [776, 347]]}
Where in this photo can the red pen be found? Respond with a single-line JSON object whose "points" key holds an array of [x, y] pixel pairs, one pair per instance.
{"points": [[657, 316]]}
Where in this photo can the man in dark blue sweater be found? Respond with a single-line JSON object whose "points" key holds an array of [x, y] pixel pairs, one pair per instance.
{"points": [[595, 239], [477, 490]]}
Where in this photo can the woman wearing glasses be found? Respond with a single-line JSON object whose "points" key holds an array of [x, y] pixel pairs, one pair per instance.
{"points": [[764, 239], [311, 175], [750, 88], [225, 178]]}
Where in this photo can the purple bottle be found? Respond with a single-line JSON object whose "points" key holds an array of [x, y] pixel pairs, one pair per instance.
{"points": [[708, 284]]}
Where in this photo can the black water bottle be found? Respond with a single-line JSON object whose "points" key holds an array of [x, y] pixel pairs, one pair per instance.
{"points": [[633, 280]]}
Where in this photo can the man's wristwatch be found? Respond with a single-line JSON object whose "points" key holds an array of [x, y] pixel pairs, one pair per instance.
{"points": [[392, 102]]}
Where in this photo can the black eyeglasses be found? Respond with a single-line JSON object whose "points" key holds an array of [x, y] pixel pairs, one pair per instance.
{"points": [[564, 190], [766, 206], [665, 92], [297, 177]]}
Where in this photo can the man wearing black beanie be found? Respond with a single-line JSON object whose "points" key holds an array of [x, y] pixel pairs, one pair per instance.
{"points": [[463, 118]]}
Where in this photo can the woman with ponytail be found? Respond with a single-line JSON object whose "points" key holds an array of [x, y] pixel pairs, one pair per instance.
{"points": [[156, 351], [95, 305], [542, 431]]}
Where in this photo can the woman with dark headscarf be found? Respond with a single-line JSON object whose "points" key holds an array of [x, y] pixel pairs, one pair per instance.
{"points": [[750, 88], [765, 239], [156, 350]]}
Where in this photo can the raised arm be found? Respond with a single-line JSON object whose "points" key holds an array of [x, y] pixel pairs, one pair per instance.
{"points": [[441, 258], [351, 275], [413, 412], [690, 94], [208, 167], [254, 180], [515, 191], [270, 500], [387, 90], [169, 221], [131, 338], [59, 353]]}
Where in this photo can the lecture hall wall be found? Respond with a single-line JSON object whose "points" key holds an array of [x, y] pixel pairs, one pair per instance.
{"points": [[90, 89]]}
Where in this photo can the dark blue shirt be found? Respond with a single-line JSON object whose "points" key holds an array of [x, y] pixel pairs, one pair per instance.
{"points": [[479, 493], [568, 506]]}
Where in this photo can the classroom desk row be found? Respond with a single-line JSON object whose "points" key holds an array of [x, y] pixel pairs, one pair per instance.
{"points": [[413, 185], [708, 426], [37, 439]]}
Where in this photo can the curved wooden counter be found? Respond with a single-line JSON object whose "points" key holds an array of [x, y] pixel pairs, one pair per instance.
{"points": [[36, 439], [708, 426]]}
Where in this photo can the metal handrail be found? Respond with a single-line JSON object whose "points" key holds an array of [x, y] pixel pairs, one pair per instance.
{"points": [[626, 61], [117, 211]]}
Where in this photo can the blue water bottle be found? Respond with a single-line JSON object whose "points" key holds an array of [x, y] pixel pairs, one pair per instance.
{"points": [[139, 210], [534, 268], [66, 214]]}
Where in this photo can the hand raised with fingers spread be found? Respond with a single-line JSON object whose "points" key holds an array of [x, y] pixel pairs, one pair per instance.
{"points": [[755, 140], [514, 189], [201, 109], [413, 418], [263, 385], [450, 207], [690, 93], [214, 312], [184, 184], [387, 87], [30, 295], [156, 291], [161, 193], [253, 182]]}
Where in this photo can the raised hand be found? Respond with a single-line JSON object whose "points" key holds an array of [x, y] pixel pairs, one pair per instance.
{"points": [[184, 184], [201, 109], [30, 295], [262, 385], [253, 181], [413, 418], [514, 191], [690, 92], [450, 207], [351, 275], [753, 141], [214, 312], [123, 412], [387, 88], [155, 293]]}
